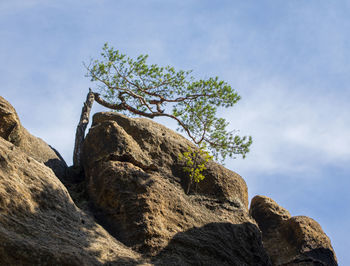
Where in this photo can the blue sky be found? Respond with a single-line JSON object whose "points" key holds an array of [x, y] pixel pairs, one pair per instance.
{"points": [[289, 60]]}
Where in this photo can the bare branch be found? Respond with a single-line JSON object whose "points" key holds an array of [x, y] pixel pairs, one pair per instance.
{"points": [[124, 106], [107, 104], [80, 132]]}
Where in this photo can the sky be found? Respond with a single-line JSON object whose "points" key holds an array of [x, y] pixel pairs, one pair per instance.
{"points": [[289, 61]]}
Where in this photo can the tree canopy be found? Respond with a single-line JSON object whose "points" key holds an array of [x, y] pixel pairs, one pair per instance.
{"points": [[133, 86]]}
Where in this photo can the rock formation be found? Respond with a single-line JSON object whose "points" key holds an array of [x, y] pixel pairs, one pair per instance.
{"points": [[12, 131], [134, 209], [40, 224], [288, 240], [135, 181]]}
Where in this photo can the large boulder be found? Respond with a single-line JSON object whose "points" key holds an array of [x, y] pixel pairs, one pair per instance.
{"points": [[40, 224], [136, 183], [288, 240], [267, 213], [12, 130], [153, 147]]}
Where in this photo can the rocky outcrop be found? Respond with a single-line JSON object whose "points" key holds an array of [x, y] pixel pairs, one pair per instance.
{"points": [[40, 224], [135, 180], [134, 209], [12, 131], [268, 214], [152, 146], [290, 240]]}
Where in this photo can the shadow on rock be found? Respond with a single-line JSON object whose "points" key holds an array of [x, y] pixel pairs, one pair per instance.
{"points": [[215, 244]]}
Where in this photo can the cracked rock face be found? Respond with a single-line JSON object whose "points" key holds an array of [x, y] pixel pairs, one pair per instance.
{"points": [[135, 180], [12, 131], [297, 240]]}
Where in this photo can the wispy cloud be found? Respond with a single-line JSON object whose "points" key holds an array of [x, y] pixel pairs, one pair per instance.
{"points": [[293, 132]]}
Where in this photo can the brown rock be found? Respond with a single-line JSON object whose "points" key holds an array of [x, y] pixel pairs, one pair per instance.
{"points": [[290, 240], [159, 145], [267, 213], [135, 180], [39, 223], [310, 240], [152, 146], [215, 244], [12, 131], [223, 184], [135, 183]]}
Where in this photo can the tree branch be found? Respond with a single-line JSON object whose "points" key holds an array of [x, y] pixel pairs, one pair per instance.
{"points": [[107, 104], [124, 106]]}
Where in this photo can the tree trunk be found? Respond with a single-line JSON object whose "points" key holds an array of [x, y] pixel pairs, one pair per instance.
{"points": [[189, 185], [80, 133]]}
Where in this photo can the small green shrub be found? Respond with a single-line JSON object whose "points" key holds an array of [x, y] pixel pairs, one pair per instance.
{"points": [[195, 161]]}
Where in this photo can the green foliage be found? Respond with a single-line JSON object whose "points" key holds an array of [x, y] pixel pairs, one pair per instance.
{"points": [[195, 161], [132, 85], [136, 87]]}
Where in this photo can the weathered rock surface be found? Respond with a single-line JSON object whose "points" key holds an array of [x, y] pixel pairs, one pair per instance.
{"points": [[153, 147], [134, 187], [12, 131], [39, 223], [135, 181], [215, 244], [290, 240]]}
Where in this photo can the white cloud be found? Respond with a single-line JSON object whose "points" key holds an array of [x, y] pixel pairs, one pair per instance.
{"points": [[292, 131]]}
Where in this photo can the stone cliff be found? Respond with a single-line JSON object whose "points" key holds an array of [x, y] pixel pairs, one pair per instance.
{"points": [[129, 207]]}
